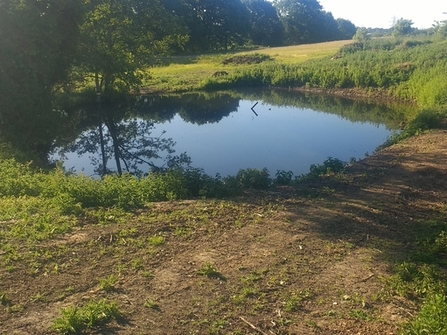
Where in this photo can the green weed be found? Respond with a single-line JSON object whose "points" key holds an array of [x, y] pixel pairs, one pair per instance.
{"points": [[156, 240], [359, 314], [432, 319], [4, 299], [108, 284], [253, 178], [208, 270], [294, 301], [151, 304], [75, 320]]}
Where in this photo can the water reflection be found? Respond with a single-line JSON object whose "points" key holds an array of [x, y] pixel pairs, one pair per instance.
{"points": [[116, 141], [220, 133]]}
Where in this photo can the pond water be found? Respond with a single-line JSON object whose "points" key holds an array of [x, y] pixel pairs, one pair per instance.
{"points": [[222, 132]]}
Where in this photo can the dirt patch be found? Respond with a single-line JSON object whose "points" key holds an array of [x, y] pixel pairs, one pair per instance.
{"points": [[288, 264]]}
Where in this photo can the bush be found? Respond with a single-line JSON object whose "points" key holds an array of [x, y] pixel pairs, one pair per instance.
{"points": [[330, 165], [253, 178], [425, 120], [283, 177]]}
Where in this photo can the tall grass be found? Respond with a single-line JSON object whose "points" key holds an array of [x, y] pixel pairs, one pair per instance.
{"points": [[412, 69]]}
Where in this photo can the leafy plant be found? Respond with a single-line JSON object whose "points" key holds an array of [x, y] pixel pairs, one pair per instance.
{"points": [[425, 120], [76, 320], [329, 166], [253, 178], [283, 177], [108, 284], [151, 304], [210, 271], [432, 319], [156, 240]]}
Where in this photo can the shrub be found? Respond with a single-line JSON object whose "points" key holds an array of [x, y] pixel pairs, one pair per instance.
{"points": [[425, 120], [330, 165], [253, 178], [283, 177]]}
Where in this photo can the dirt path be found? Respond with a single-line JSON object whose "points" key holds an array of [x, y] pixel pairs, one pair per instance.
{"points": [[311, 261]]}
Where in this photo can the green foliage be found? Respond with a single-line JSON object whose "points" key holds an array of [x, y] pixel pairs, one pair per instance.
{"points": [[75, 320], [432, 318], [265, 26], [39, 40], [425, 120], [208, 270], [422, 278], [411, 69], [414, 280], [45, 204], [403, 27], [216, 26], [306, 22], [283, 177], [253, 178], [152, 305], [118, 36], [329, 166], [108, 284], [361, 35]]}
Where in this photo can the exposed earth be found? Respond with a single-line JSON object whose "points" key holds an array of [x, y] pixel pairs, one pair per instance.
{"points": [[312, 260]]}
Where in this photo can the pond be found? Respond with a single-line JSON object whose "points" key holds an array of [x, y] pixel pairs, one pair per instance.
{"points": [[223, 132]]}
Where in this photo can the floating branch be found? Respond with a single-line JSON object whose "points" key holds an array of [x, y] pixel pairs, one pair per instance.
{"points": [[252, 108]]}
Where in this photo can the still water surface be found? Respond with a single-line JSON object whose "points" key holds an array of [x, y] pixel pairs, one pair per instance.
{"points": [[274, 135]]}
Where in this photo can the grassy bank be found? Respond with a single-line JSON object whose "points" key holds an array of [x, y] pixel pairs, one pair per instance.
{"points": [[410, 69]]}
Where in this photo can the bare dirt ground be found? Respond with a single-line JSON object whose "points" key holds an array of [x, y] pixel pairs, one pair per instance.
{"points": [[311, 260]]}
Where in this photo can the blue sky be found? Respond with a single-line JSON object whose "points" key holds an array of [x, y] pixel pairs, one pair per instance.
{"points": [[380, 13]]}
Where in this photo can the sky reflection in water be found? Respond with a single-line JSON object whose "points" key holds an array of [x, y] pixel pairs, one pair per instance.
{"points": [[279, 138]]}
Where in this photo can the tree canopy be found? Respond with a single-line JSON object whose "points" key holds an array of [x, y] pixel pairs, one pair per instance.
{"points": [[118, 36], [38, 43], [216, 24], [403, 27], [305, 21], [265, 26]]}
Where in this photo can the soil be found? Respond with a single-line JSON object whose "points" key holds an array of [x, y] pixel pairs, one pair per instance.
{"points": [[306, 260]]}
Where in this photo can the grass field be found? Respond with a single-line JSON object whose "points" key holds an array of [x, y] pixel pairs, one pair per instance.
{"points": [[183, 73]]}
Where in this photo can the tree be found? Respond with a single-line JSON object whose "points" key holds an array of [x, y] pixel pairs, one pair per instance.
{"points": [[265, 27], [440, 28], [326, 27], [403, 27], [38, 44], [346, 29], [304, 21], [361, 35], [216, 24], [118, 36]]}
